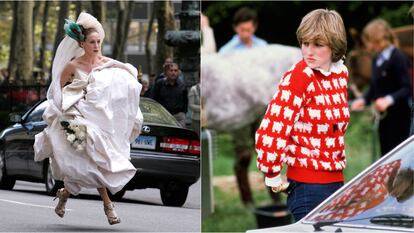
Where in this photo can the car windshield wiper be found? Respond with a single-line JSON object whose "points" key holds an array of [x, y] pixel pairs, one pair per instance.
{"points": [[317, 226], [385, 219], [399, 220]]}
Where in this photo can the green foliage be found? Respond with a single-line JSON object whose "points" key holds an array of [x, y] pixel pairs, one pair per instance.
{"points": [[397, 17], [230, 214], [359, 144], [4, 55], [218, 11]]}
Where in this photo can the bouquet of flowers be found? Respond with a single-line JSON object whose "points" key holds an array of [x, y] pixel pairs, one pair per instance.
{"points": [[75, 134]]}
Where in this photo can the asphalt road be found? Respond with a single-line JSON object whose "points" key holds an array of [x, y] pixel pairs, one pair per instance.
{"points": [[27, 209]]}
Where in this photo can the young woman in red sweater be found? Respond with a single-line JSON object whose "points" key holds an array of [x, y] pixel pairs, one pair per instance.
{"points": [[305, 122]]}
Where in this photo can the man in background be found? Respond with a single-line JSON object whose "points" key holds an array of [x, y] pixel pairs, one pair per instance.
{"points": [[172, 93], [245, 25]]}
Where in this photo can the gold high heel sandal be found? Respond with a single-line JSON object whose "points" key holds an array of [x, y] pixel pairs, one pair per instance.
{"points": [[111, 214], [60, 207]]}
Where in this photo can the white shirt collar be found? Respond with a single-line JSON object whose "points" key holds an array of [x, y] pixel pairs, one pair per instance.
{"points": [[384, 55], [336, 67]]}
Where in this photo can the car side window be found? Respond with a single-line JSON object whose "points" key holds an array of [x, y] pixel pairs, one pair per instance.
{"points": [[36, 114]]}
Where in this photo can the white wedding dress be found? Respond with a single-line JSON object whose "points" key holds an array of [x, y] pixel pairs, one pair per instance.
{"points": [[106, 101]]}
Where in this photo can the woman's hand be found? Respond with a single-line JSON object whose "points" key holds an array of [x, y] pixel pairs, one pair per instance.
{"points": [[281, 188], [358, 105], [381, 104]]}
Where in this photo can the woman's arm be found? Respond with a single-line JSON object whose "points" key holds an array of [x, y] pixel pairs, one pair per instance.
{"points": [[273, 134], [66, 74]]}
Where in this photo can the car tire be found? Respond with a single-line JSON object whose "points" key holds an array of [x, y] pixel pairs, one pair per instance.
{"points": [[51, 184], [174, 195], [5, 181], [117, 196]]}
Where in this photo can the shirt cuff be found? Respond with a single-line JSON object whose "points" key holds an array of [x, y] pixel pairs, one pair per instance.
{"points": [[390, 99], [273, 181]]}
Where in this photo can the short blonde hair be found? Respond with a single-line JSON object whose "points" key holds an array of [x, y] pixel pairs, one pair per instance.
{"points": [[325, 27], [378, 30]]}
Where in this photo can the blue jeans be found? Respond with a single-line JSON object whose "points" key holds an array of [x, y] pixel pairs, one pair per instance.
{"points": [[304, 197]]}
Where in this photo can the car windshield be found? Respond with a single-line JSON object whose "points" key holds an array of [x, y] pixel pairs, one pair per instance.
{"points": [[36, 114], [153, 112], [380, 196]]}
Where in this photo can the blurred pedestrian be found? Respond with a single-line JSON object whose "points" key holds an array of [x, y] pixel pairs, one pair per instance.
{"points": [[194, 106], [390, 88], [245, 25], [172, 93], [165, 66], [146, 90]]}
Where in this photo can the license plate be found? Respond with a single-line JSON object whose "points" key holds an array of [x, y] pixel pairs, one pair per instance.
{"points": [[144, 142]]}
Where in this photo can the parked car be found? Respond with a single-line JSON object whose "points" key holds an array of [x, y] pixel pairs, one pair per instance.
{"points": [[166, 155], [379, 199]]}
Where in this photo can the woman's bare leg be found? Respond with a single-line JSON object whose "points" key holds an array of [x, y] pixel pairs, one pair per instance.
{"points": [[104, 195], [109, 207], [63, 196]]}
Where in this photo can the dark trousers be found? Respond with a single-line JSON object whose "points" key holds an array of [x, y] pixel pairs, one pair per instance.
{"points": [[395, 127], [303, 197]]}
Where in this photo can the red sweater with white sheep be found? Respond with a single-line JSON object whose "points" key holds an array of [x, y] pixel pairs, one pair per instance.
{"points": [[304, 126]]}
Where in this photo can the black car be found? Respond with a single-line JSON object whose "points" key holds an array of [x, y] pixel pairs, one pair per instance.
{"points": [[166, 155]]}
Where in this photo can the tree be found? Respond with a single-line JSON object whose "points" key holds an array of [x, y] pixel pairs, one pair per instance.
{"points": [[63, 14], [78, 8], [122, 29], [35, 13], [41, 63], [166, 22], [99, 10], [148, 54], [22, 58], [12, 66]]}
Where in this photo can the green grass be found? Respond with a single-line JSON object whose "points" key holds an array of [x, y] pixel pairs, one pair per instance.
{"points": [[223, 163], [231, 215]]}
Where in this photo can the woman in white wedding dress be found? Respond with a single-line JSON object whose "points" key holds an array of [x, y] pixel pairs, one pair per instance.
{"points": [[101, 96]]}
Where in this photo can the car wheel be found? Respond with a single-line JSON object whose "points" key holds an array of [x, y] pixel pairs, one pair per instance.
{"points": [[174, 195], [5, 181], [51, 184], [117, 196]]}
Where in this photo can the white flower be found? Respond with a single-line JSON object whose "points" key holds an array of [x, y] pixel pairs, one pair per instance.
{"points": [[83, 128], [77, 130], [81, 135], [75, 143], [79, 147], [71, 138]]}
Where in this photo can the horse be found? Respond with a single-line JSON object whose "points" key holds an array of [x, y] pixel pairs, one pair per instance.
{"points": [[236, 88]]}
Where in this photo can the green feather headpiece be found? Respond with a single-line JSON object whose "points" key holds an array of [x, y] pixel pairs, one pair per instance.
{"points": [[73, 30]]}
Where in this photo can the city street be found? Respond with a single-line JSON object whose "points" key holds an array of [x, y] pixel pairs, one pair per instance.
{"points": [[28, 208]]}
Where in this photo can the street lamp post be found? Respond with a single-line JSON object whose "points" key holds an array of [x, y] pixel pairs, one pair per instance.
{"points": [[187, 40]]}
